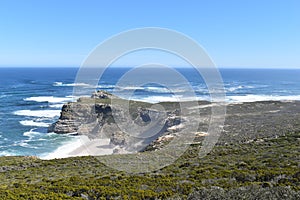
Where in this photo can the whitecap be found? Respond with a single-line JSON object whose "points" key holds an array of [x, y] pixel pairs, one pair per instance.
{"points": [[31, 133], [150, 89], [157, 99], [49, 99], [34, 123], [56, 105], [157, 89], [106, 86], [38, 113], [6, 153], [174, 98], [254, 98], [121, 88], [232, 89], [24, 143], [61, 84], [4, 95], [53, 134], [239, 87]]}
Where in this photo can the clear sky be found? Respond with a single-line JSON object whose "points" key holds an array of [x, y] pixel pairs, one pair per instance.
{"points": [[235, 33]]}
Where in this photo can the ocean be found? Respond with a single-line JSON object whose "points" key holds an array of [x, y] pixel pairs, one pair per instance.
{"points": [[31, 99]]}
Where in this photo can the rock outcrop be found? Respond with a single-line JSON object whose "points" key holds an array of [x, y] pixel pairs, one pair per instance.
{"points": [[95, 117]]}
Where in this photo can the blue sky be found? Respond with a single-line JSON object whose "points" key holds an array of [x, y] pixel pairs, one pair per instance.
{"points": [[235, 33]]}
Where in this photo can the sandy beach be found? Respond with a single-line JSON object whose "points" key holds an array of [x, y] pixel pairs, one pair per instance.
{"points": [[82, 146]]}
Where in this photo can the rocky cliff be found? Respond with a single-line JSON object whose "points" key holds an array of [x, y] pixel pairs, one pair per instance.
{"points": [[95, 117]]}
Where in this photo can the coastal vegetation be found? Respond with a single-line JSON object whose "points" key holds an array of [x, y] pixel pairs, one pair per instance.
{"points": [[261, 168]]}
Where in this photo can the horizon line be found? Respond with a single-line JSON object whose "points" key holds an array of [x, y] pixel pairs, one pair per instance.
{"points": [[132, 66]]}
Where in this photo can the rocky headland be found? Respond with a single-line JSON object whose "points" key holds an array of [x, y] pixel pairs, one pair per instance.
{"points": [[245, 122], [94, 118]]}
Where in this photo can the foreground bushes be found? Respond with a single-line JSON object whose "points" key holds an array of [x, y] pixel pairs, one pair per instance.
{"points": [[267, 168]]}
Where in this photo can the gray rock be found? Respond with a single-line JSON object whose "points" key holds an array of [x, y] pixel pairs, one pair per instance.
{"points": [[96, 119], [100, 94], [118, 138]]}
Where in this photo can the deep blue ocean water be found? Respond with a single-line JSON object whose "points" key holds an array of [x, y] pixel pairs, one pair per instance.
{"points": [[31, 99]]}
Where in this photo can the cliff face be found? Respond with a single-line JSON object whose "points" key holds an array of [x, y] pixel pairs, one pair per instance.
{"points": [[76, 116], [94, 117]]}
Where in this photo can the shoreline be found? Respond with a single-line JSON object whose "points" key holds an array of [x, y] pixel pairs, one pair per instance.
{"points": [[245, 122], [204, 106]]}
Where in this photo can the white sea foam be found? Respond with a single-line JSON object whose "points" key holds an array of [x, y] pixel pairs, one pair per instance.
{"points": [[234, 88], [128, 88], [61, 84], [34, 123], [157, 89], [253, 98], [50, 99], [63, 151], [106, 86], [157, 99], [175, 98], [6, 153], [24, 143], [38, 113], [149, 89], [230, 99], [4, 95], [56, 105], [31, 133]]}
